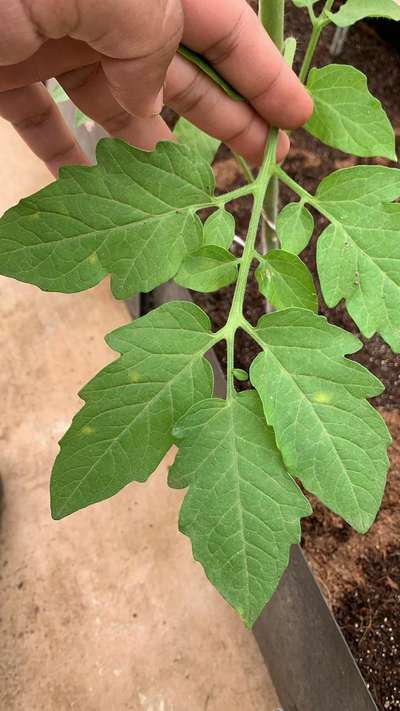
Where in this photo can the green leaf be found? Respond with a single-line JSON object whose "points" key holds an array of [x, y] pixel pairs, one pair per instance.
{"points": [[203, 144], [201, 63], [219, 229], [314, 398], [358, 255], [241, 375], [294, 227], [286, 281], [209, 269], [362, 184], [132, 215], [243, 510], [346, 116], [354, 10], [124, 430]]}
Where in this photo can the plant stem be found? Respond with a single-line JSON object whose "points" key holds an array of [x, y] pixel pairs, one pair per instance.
{"points": [[302, 193], [233, 195], [318, 25], [230, 364], [260, 185], [272, 16], [244, 167]]}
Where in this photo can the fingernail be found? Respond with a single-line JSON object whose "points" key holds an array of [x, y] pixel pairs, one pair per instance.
{"points": [[159, 103]]}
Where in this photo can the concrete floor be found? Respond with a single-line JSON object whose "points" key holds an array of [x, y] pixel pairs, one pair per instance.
{"points": [[104, 611]]}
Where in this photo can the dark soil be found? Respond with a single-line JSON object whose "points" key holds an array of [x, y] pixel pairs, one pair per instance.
{"points": [[360, 576]]}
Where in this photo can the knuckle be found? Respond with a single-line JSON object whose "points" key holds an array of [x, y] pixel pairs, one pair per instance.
{"points": [[79, 78], [62, 154], [116, 122], [274, 81], [226, 46], [240, 135], [187, 99], [34, 120]]}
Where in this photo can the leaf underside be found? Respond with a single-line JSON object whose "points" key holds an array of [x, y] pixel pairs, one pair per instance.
{"points": [[354, 10], [286, 281], [315, 399], [125, 428], [242, 511], [358, 255], [294, 227], [132, 215], [346, 116], [195, 139]]}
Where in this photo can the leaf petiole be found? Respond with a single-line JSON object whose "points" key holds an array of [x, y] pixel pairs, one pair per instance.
{"points": [[319, 23]]}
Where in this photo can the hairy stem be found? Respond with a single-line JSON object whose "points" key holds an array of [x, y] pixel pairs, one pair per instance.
{"points": [[260, 185], [305, 196], [318, 25], [230, 364], [272, 16]]}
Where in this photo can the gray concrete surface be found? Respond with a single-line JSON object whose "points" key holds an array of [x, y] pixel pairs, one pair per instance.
{"points": [[104, 611]]}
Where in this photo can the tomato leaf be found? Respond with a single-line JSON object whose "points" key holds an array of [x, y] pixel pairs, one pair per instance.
{"points": [[315, 399], [354, 10], [132, 215], [204, 145], [294, 227], [286, 281], [219, 229], [125, 428], [208, 269], [358, 255], [346, 116], [242, 511]]}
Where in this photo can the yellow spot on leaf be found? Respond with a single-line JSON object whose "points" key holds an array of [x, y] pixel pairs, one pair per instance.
{"points": [[134, 376], [88, 430], [322, 397], [93, 259]]}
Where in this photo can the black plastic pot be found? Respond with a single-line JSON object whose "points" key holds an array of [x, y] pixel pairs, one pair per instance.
{"points": [[307, 656]]}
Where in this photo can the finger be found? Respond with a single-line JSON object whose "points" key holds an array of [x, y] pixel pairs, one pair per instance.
{"points": [[88, 89], [137, 39], [37, 119], [236, 44], [53, 58], [192, 94]]}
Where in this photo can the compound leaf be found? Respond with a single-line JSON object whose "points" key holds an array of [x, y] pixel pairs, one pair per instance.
{"points": [[242, 511], [124, 430], [219, 229], [354, 10], [314, 398], [286, 281], [131, 215], [208, 269], [346, 116], [358, 255], [294, 227], [194, 138]]}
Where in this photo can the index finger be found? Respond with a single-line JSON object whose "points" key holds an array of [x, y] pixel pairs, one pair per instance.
{"points": [[234, 41]]}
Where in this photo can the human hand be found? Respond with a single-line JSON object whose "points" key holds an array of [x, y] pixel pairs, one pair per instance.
{"points": [[117, 61]]}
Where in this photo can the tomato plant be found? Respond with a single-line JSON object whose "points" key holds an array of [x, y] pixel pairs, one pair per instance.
{"points": [[135, 216]]}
